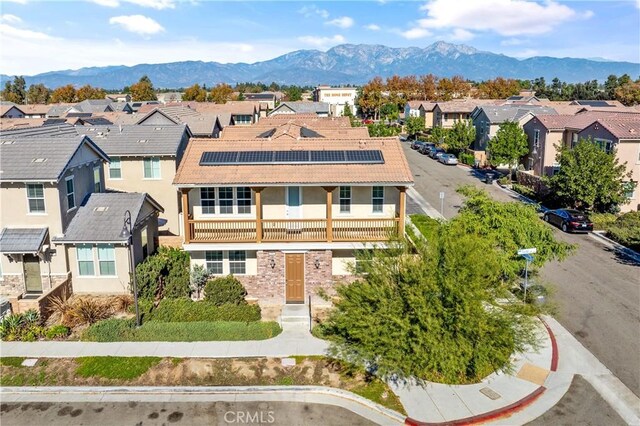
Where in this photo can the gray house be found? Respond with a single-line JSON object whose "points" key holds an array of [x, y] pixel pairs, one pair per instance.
{"points": [[321, 109]]}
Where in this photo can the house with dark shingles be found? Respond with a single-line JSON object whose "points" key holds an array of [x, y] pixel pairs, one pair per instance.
{"points": [[321, 109], [200, 125]]}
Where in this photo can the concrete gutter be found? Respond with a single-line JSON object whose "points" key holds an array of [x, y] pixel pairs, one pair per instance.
{"points": [[601, 237], [301, 394]]}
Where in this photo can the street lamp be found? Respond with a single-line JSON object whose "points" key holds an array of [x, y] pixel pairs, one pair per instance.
{"points": [[127, 232]]}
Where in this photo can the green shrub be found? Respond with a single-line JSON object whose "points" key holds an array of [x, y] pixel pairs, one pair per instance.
{"points": [[223, 290], [56, 332], [115, 367], [154, 331], [602, 221], [466, 158], [22, 327], [425, 224], [524, 190], [11, 361], [186, 310], [168, 268], [505, 180], [626, 230]]}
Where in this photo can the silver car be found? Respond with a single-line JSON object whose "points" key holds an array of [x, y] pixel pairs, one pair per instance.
{"points": [[448, 159]]}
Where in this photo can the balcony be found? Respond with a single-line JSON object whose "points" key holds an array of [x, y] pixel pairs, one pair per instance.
{"points": [[292, 230]]}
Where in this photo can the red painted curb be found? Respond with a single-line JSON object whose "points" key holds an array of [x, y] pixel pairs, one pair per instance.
{"points": [[480, 418], [504, 411]]}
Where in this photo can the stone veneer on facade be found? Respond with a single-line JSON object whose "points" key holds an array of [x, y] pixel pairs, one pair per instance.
{"points": [[13, 285]]}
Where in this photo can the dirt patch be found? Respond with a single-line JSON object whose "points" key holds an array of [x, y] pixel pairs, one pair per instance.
{"points": [[270, 312]]}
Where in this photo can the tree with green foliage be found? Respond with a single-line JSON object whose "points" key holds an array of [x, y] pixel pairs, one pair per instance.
{"points": [[143, 90], [389, 111], [414, 126], [164, 274], [198, 278], [379, 130], [38, 94], [64, 94], [195, 93], [225, 290], [89, 92], [346, 111], [461, 135], [438, 135], [589, 178], [293, 93], [221, 93], [508, 145], [15, 91]]}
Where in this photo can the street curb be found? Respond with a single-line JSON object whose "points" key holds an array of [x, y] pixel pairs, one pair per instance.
{"points": [[625, 250], [298, 393], [506, 410]]}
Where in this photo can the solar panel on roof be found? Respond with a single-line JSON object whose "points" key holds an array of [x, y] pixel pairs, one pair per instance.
{"points": [[364, 156], [291, 156], [330, 156], [255, 157], [220, 157], [213, 158]]}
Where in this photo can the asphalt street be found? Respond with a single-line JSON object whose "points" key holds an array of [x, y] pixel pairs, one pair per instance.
{"points": [[597, 292], [175, 413]]}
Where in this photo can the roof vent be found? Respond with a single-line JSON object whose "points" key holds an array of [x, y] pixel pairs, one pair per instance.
{"points": [[38, 160], [143, 140], [101, 209], [158, 128], [7, 142]]}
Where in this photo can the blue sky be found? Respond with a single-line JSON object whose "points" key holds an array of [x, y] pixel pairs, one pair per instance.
{"points": [[38, 36]]}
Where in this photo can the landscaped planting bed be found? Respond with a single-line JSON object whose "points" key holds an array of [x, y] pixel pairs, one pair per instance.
{"points": [[153, 371]]}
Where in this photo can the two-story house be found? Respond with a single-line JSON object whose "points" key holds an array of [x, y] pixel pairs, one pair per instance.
{"points": [[286, 217], [321, 109], [200, 125], [422, 109]]}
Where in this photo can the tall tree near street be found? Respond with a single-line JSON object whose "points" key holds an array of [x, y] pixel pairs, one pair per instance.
{"points": [[508, 145], [38, 94], [221, 93], [15, 91], [438, 135], [143, 90], [590, 178], [461, 135], [414, 126], [64, 94]]}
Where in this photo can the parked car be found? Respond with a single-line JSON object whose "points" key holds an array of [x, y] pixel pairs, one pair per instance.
{"points": [[436, 153], [416, 144], [426, 147], [448, 159], [569, 220], [402, 138]]}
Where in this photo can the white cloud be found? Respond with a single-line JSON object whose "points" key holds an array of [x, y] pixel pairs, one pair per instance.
{"points": [[638, 4], [506, 17], [138, 24], [460, 34], [321, 41], [7, 32], [153, 4], [311, 10], [511, 42], [415, 33], [341, 22], [14, 1], [372, 27], [12, 19]]}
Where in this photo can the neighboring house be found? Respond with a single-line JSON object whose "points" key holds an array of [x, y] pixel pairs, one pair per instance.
{"points": [[35, 110], [200, 125], [10, 110], [58, 110], [294, 130], [286, 220], [269, 99], [94, 106], [545, 134], [169, 97], [320, 109], [144, 159], [422, 109], [119, 97], [446, 114], [337, 98], [43, 181], [487, 119], [242, 113], [623, 136], [597, 103], [97, 243]]}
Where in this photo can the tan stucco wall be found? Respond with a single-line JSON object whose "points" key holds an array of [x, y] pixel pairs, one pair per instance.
{"points": [[341, 261], [98, 284], [160, 190], [629, 152]]}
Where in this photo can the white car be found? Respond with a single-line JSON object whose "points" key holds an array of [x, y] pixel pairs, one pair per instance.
{"points": [[448, 159]]}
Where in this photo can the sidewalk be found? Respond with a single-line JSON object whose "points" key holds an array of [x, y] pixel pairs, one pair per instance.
{"points": [[295, 339]]}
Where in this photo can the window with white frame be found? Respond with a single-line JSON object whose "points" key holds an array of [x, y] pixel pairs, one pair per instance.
{"points": [[208, 200], [377, 198], [536, 139], [115, 170], [237, 262], [107, 259], [213, 261], [574, 140], [35, 197], [71, 196], [84, 253], [225, 197], [604, 144], [97, 185], [242, 119], [243, 198], [152, 168], [345, 199], [630, 190]]}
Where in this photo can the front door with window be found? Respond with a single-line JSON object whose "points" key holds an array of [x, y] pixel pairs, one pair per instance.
{"points": [[32, 278], [294, 272], [294, 203]]}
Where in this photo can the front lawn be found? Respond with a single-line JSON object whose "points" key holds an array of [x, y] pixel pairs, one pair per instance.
{"points": [[124, 330], [115, 367]]}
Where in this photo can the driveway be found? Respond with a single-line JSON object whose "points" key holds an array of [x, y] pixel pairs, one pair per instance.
{"points": [[597, 293]]}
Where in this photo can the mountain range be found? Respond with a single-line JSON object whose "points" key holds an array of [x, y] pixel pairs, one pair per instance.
{"points": [[344, 64]]}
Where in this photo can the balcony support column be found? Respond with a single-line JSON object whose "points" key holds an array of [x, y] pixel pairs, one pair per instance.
{"points": [[329, 190], [258, 191], [403, 209], [185, 215]]}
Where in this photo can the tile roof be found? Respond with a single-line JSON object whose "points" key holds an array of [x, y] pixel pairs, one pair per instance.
{"points": [[293, 130], [101, 218], [466, 105], [34, 109], [17, 123], [40, 157], [301, 107], [584, 119], [307, 120], [126, 140], [394, 170], [4, 108], [623, 129], [501, 113], [554, 122], [57, 110], [22, 240], [54, 130], [199, 124]]}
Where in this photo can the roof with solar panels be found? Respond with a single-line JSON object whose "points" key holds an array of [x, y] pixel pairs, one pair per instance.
{"points": [[320, 161]]}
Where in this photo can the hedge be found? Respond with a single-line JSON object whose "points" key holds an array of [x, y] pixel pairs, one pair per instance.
{"points": [[123, 330], [186, 310]]}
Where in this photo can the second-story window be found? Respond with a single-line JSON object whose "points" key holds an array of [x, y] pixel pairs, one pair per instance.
{"points": [[35, 197], [536, 139], [345, 199], [208, 200], [243, 198], [226, 200], [152, 168], [71, 196], [97, 185], [115, 172], [377, 198]]}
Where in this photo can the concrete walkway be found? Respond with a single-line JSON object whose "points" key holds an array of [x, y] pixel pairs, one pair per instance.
{"points": [[295, 339]]}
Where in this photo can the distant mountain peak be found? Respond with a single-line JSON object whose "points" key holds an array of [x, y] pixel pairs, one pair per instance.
{"points": [[445, 48]]}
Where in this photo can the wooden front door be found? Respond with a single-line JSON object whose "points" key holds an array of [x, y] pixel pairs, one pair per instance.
{"points": [[32, 278], [294, 272]]}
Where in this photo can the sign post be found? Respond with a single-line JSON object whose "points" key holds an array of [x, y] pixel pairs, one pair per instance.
{"points": [[442, 203]]}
